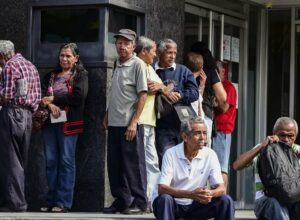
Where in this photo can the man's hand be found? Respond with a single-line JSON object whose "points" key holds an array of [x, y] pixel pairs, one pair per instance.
{"points": [[55, 110], [153, 86], [174, 97], [269, 140], [202, 195], [131, 131]]}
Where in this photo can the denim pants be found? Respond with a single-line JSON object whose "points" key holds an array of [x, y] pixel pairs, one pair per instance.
{"points": [[60, 165], [269, 208], [220, 208], [221, 145], [165, 139]]}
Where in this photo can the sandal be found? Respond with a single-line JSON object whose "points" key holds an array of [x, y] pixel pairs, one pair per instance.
{"points": [[46, 209], [57, 209]]}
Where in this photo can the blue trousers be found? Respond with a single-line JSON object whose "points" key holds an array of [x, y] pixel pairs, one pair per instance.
{"points": [[60, 165], [220, 208], [165, 139], [269, 208]]}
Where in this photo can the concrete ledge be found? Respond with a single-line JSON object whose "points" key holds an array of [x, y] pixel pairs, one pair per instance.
{"points": [[240, 214]]}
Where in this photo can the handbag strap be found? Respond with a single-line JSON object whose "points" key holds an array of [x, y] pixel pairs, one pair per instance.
{"points": [[51, 80]]}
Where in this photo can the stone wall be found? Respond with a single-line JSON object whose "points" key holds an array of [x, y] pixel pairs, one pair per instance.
{"points": [[14, 23], [165, 19]]}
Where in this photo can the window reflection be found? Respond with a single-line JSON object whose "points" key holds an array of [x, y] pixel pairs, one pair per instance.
{"points": [[69, 25]]}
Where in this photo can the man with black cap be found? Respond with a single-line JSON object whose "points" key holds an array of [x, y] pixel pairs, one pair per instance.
{"points": [[125, 148]]}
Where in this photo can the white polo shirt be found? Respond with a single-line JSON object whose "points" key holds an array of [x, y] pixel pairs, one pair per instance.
{"points": [[178, 172]]}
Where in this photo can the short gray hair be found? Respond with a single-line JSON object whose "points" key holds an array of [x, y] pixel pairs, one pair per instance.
{"points": [[285, 120], [163, 44], [143, 43], [186, 126], [7, 48]]}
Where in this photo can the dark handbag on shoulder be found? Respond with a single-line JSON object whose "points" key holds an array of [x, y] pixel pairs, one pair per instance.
{"points": [[163, 105]]}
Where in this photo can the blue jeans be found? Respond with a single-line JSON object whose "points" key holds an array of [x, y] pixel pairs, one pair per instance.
{"points": [[221, 145], [165, 139], [60, 165], [269, 208]]}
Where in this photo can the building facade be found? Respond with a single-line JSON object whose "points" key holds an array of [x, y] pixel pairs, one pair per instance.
{"points": [[258, 40]]}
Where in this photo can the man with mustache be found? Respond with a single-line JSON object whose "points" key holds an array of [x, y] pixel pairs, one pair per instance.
{"points": [[186, 170]]}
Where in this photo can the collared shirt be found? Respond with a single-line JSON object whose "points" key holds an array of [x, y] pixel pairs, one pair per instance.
{"points": [[18, 68], [129, 79], [148, 116], [157, 67], [178, 172]]}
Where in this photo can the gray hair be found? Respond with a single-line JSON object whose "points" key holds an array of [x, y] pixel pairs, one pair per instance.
{"points": [[7, 48], [143, 43], [285, 120], [163, 44], [186, 126]]}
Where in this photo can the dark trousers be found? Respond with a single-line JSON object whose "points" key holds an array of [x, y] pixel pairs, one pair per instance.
{"points": [[165, 139], [126, 168], [220, 208], [15, 131]]}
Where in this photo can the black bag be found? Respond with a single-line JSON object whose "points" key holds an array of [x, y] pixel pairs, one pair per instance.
{"points": [[279, 171], [163, 105], [39, 117]]}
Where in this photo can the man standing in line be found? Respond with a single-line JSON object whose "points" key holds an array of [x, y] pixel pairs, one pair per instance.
{"points": [[186, 170], [20, 94], [184, 91], [146, 51], [225, 122], [125, 147]]}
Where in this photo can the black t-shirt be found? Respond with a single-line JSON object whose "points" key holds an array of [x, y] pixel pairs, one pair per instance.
{"points": [[207, 103]]}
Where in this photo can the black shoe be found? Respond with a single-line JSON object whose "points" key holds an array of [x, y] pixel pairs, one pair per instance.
{"points": [[133, 211], [110, 210], [6, 209]]}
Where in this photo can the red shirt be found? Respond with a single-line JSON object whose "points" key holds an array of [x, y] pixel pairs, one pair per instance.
{"points": [[225, 121]]}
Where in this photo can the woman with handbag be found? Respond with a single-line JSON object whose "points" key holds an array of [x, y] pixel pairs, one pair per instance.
{"points": [[65, 98]]}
